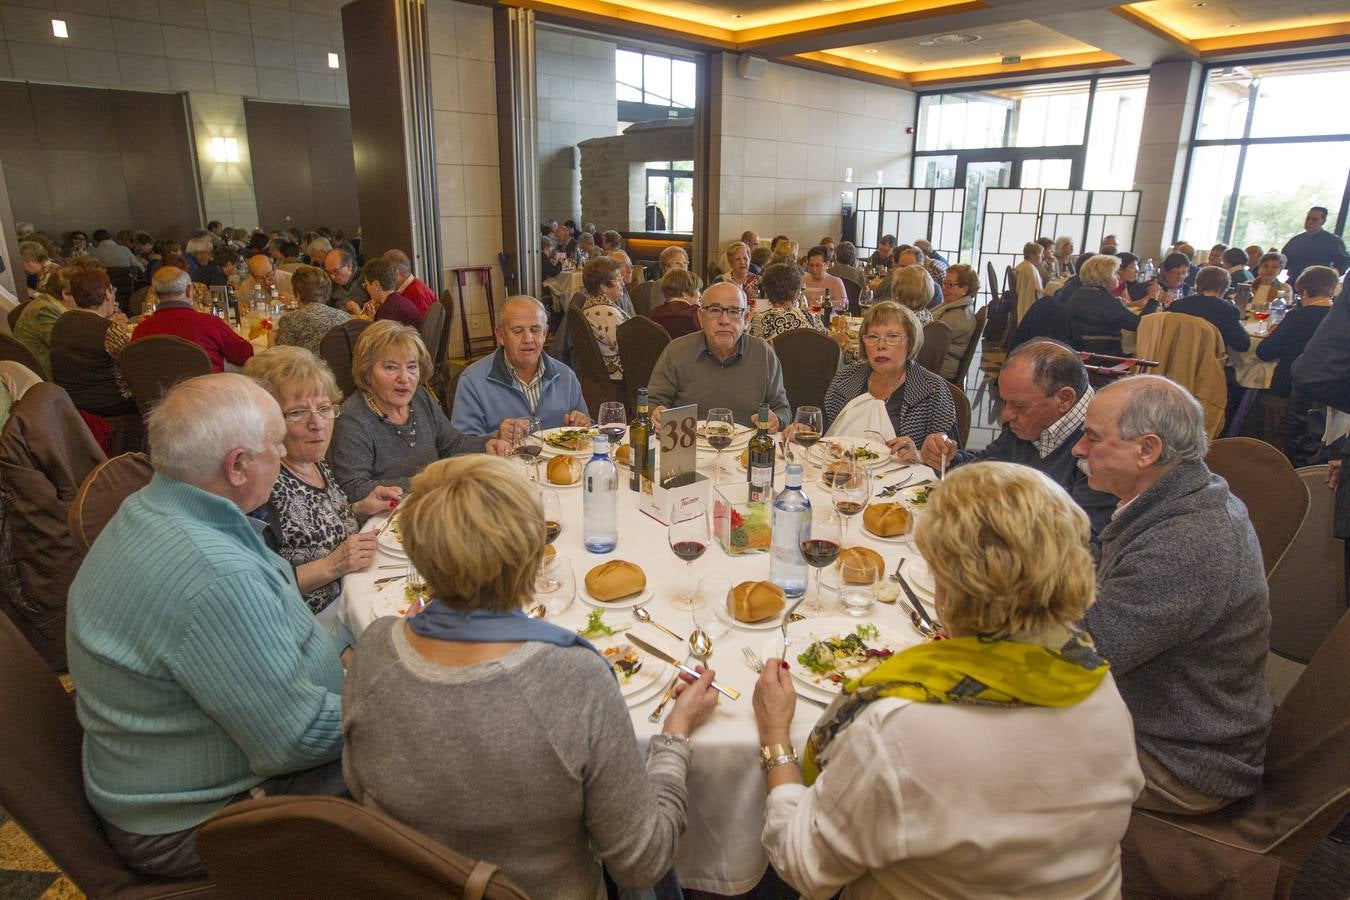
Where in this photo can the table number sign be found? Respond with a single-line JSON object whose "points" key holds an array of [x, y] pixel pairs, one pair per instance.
{"points": [[677, 474]]}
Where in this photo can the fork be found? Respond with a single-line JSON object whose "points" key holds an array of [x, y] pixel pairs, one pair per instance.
{"points": [[752, 659], [890, 489]]}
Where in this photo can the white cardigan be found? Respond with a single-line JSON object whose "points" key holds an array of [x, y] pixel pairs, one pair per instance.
{"points": [[930, 800]]}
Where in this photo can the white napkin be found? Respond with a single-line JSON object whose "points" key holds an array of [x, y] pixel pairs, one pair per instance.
{"points": [[862, 414]]}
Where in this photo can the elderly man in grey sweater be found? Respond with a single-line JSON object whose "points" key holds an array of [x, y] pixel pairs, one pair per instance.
{"points": [[1182, 611]]}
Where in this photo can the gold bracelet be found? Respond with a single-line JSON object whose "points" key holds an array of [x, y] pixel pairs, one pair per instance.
{"points": [[774, 755]]}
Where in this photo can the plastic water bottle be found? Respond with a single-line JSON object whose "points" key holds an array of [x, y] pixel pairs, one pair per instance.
{"points": [[599, 503], [791, 522], [1277, 310], [1147, 272]]}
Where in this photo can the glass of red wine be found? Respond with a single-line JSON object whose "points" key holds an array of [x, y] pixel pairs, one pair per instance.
{"points": [[613, 423], [548, 501], [812, 423], [689, 537], [850, 492], [821, 547], [719, 430], [527, 447]]}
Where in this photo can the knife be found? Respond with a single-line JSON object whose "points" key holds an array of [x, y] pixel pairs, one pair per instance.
{"points": [[729, 693], [909, 592]]}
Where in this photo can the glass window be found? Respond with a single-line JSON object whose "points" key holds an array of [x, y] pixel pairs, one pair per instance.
{"points": [[935, 171], [1040, 115], [683, 83], [1114, 133], [1209, 190], [1280, 182], [1046, 173], [628, 75], [1290, 99], [656, 79]]}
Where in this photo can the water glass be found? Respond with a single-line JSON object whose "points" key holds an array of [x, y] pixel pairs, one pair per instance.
{"points": [[712, 614], [858, 586]]}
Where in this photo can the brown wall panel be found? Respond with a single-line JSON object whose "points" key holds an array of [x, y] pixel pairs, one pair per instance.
{"points": [[303, 173], [89, 158]]}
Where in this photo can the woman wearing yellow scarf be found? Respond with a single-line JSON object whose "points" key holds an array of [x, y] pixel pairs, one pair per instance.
{"points": [[998, 762]]}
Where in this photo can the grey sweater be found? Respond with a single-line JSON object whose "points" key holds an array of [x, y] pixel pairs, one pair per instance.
{"points": [[1183, 616], [687, 372], [367, 451], [528, 761]]}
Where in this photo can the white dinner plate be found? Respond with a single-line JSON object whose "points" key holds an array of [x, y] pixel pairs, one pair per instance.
{"points": [[908, 494], [390, 540], [806, 632], [832, 449], [391, 601], [740, 436], [768, 624], [553, 450], [896, 539], [920, 577], [652, 671], [771, 648], [543, 475], [627, 602]]}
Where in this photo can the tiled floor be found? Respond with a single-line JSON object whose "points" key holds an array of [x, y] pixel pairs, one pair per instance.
{"points": [[27, 874]]}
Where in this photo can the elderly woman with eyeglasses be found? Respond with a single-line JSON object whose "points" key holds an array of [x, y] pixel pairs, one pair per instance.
{"points": [[309, 520], [886, 392], [997, 762]]}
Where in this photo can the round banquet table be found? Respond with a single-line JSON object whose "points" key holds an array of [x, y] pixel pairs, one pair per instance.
{"points": [[720, 850]]}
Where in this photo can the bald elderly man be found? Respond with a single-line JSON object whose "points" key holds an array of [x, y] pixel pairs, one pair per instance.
{"points": [[262, 272], [498, 394]]}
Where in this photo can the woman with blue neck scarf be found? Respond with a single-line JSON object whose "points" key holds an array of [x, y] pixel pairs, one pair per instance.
{"points": [[501, 736], [997, 762]]}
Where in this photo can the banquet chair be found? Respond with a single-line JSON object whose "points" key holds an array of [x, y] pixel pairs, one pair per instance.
{"points": [[124, 280], [596, 385], [102, 492], [640, 344], [136, 305], [853, 291], [292, 848], [1307, 588], [336, 349], [12, 349], [1255, 847], [46, 451], [43, 787], [809, 360], [968, 357], [937, 337], [14, 314], [1191, 352], [152, 365], [962, 404], [1261, 477], [436, 333]]}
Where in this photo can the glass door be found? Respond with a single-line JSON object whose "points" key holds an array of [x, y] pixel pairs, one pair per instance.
{"points": [[976, 176]]}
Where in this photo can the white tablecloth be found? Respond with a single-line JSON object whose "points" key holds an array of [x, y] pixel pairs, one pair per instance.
{"points": [[1252, 372], [565, 284], [720, 850]]}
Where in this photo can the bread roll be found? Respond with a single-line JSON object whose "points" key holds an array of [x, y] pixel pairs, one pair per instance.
{"points": [[564, 470], [858, 557], [888, 519], [755, 601], [624, 454], [615, 580]]}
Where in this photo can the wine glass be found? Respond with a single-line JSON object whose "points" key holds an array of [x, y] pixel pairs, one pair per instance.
{"points": [[613, 423], [548, 499], [858, 579], [812, 421], [719, 430], [526, 446], [556, 586], [850, 491], [689, 535], [712, 614], [821, 547], [866, 297]]}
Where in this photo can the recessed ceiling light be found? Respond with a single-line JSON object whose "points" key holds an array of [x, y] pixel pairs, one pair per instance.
{"points": [[871, 50], [59, 28], [738, 16], [1200, 4], [927, 43], [333, 62]]}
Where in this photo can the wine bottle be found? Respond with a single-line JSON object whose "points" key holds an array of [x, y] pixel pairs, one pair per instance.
{"points": [[640, 444], [760, 471]]}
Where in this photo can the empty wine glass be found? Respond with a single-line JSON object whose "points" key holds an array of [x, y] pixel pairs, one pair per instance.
{"points": [[866, 297], [556, 586], [812, 423], [689, 535], [548, 499], [712, 615], [851, 491], [613, 423], [719, 430], [858, 579], [821, 547]]}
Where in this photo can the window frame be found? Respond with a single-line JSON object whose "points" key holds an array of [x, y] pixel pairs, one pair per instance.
{"points": [[1246, 140], [641, 111]]}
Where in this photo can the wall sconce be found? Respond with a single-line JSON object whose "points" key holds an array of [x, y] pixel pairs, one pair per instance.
{"points": [[333, 61], [848, 175], [59, 28], [881, 176], [225, 150]]}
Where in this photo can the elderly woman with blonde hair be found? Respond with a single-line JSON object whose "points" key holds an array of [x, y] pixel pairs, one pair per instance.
{"points": [[309, 521], [737, 270], [886, 392], [998, 761], [1096, 318], [913, 288], [542, 747], [391, 428]]}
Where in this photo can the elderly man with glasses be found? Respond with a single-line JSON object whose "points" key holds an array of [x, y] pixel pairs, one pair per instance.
{"points": [[346, 292], [721, 365], [499, 394]]}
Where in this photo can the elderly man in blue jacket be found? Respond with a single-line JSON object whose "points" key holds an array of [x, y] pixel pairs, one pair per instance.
{"points": [[498, 394]]}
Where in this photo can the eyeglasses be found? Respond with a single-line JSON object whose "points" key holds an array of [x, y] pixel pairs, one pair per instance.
{"points": [[296, 416], [872, 340], [730, 312]]}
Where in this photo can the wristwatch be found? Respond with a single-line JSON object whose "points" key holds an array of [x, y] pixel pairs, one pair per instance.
{"points": [[773, 755]]}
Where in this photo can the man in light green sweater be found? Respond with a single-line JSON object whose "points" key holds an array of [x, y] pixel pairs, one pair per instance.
{"points": [[200, 675]]}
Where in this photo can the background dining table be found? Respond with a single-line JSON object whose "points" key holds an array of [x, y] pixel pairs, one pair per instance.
{"points": [[721, 850]]}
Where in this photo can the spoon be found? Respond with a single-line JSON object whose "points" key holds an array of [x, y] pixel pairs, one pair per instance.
{"points": [[643, 616], [920, 625], [700, 644]]}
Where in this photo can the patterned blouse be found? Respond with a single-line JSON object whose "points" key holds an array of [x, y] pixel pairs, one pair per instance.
{"points": [[750, 287], [605, 319], [306, 326], [776, 320], [922, 406], [312, 522]]}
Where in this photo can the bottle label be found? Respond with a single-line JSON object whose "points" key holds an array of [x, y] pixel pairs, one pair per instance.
{"points": [[761, 476]]}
